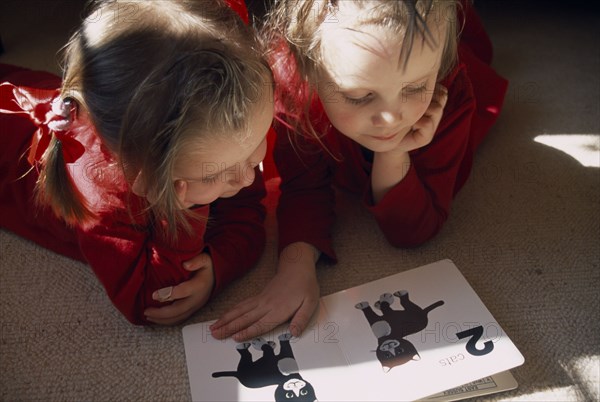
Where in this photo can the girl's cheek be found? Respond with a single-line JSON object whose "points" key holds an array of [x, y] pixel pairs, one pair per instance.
{"points": [[418, 109], [202, 195], [346, 120]]}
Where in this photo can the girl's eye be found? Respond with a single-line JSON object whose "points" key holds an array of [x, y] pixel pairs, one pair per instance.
{"points": [[408, 91], [209, 180], [358, 101]]}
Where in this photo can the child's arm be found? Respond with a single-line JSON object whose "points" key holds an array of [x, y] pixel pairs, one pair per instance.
{"points": [[235, 234], [305, 216], [305, 212], [415, 208], [390, 168], [133, 263], [236, 237]]}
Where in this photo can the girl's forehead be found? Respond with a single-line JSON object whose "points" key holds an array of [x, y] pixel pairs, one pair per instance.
{"points": [[368, 18], [210, 147], [353, 14], [350, 46], [227, 147], [207, 156], [352, 57], [382, 12], [202, 140]]}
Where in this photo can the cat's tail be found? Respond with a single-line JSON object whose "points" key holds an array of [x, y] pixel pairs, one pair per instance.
{"points": [[434, 305], [225, 374]]}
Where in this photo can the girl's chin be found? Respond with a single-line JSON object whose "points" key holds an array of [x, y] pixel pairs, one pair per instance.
{"points": [[378, 148], [229, 194], [226, 194], [188, 205]]}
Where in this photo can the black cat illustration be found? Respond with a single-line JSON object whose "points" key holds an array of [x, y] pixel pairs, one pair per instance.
{"points": [[270, 369], [393, 325]]}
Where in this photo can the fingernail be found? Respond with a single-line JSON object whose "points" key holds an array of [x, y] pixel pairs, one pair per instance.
{"points": [[164, 294]]}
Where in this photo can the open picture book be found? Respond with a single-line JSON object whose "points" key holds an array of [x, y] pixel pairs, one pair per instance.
{"points": [[418, 334]]}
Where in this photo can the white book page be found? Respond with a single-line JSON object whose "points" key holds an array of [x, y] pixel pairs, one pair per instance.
{"points": [[442, 361], [318, 357], [335, 359]]}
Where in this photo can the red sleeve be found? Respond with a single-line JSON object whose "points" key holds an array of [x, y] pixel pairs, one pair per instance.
{"points": [[132, 262], [416, 208], [235, 235], [306, 205]]}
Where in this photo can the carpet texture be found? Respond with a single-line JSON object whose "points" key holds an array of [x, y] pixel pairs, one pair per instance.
{"points": [[524, 231]]}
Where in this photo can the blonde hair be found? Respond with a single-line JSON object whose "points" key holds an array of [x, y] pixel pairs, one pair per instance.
{"points": [[293, 28], [152, 80]]}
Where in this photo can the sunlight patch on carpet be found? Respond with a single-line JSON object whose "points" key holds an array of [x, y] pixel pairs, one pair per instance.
{"points": [[558, 394], [585, 148]]}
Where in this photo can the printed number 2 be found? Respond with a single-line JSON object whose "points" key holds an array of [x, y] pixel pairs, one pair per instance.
{"points": [[475, 334]]}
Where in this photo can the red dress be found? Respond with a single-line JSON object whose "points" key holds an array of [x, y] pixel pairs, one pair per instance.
{"points": [[416, 208], [129, 258]]}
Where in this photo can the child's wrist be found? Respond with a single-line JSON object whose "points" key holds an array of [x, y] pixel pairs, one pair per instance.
{"points": [[299, 253]]}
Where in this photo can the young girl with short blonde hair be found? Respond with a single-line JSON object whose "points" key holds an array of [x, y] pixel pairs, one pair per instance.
{"points": [[385, 98]]}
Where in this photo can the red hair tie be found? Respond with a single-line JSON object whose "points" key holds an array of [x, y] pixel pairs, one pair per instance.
{"points": [[49, 113]]}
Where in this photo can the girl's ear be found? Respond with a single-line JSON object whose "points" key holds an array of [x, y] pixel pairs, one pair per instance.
{"points": [[181, 190]]}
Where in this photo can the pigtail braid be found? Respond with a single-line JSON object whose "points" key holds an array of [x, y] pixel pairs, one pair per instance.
{"points": [[56, 188]]}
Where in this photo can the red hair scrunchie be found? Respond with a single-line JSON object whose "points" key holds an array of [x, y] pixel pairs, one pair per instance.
{"points": [[52, 116]]}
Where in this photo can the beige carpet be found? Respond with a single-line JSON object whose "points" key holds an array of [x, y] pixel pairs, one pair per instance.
{"points": [[524, 231]]}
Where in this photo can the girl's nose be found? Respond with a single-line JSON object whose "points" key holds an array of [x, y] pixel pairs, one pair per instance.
{"points": [[387, 118]]}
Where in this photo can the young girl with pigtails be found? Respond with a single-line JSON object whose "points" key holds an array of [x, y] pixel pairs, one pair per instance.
{"points": [[385, 98], [143, 161]]}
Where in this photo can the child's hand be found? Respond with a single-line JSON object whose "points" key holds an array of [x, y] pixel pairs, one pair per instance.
{"points": [[390, 167], [188, 296], [293, 292], [423, 130]]}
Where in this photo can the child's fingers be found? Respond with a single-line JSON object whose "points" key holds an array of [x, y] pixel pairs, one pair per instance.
{"points": [[302, 318], [435, 110], [426, 124], [438, 102], [440, 94], [424, 129], [235, 320], [197, 262], [196, 286], [254, 330], [187, 297], [238, 311], [248, 321], [171, 314], [171, 293], [246, 327], [418, 137], [164, 295]]}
